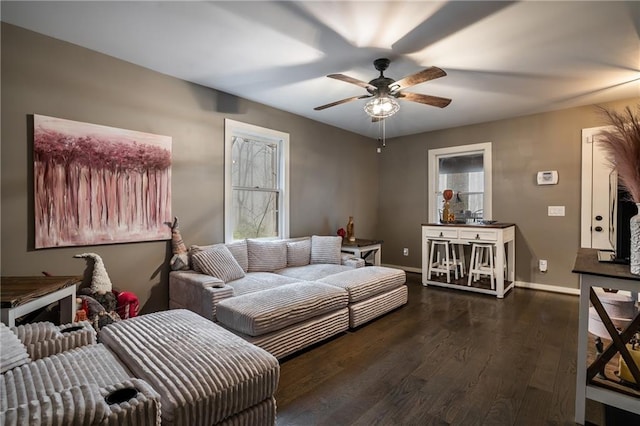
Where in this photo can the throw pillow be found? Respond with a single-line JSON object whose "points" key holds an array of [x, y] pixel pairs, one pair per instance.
{"points": [[218, 262], [193, 250], [266, 256], [12, 352], [239, 250], [298, 252], [326, 249]]}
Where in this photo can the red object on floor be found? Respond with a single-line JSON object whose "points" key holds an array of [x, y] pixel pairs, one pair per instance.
{"points": [[128, 304]]}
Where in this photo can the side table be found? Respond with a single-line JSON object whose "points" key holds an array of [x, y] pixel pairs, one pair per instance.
{"points": [[22, 295], [588, 384], [364, 248]]}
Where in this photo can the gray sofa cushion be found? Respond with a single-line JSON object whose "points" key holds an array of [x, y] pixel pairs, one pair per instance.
{"points": [[362, 283], [299, 252], [326, 249], [312, 272], [218, 262], [256, 281], [274, 309], [266, 256]]}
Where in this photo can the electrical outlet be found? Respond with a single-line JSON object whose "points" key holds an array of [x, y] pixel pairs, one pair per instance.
{"points": [[405, 251], [542, 265]]}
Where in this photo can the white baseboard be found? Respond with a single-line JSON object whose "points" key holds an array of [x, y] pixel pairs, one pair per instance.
{"points": [[547, 287], [404, 268], [522, 284]]}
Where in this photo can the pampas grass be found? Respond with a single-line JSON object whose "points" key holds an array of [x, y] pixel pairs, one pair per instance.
{"points": [[622, 147]]}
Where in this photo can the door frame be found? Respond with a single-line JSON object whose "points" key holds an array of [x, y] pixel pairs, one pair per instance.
{"points": [[586, 205]]}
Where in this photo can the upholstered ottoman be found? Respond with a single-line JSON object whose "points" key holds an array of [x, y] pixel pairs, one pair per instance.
{"points": [[204, 374], [373, 291], [284, 318]]}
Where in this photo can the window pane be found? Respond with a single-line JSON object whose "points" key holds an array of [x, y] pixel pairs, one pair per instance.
{"points": [[255, 214], [254, 163], [465, 176]]}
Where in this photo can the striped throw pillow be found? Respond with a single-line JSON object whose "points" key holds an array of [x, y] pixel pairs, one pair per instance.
{"points": [[298, 252], [218, 262], [239, 250], [326, 249], [266, 256]]}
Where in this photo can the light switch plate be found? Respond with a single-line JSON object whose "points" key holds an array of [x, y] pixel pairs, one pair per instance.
{"points": [[555, 210]]}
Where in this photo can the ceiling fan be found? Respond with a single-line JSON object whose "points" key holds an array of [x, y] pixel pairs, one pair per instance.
{"points": [[383, 91]]}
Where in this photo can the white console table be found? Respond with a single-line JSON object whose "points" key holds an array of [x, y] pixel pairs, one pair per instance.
{"points": [[498, 234], [588, 384]]}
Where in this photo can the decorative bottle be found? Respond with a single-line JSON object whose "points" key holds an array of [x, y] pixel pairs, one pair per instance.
{"points": [[350, 234]]}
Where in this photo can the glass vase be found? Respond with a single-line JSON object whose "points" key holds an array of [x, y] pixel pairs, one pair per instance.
{"points": [[634, 255]]}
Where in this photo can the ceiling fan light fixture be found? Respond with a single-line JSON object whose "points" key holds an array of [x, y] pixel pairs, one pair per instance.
{"points": [[381, 107]]}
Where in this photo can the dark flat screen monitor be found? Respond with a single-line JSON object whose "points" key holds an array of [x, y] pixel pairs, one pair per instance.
{"points": [[625, 209]]}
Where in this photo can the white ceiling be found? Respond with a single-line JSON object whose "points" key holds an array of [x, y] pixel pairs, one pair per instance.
{"points": [[503, 59]]}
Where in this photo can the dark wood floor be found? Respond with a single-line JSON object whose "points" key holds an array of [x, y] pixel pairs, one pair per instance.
{"points": [[447, 357]]}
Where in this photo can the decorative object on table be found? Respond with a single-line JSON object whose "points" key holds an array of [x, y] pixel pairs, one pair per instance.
{"points": [[622, 146], [621, 310], [180, 259], [350, 233], [624, 373], [447, 194], [99, 185], [342, 233]]}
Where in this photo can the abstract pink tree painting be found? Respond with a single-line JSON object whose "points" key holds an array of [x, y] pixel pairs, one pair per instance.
{"points": [[99, 185]]}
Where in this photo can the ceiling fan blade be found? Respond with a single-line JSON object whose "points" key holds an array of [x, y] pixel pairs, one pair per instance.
{"points": [[425, 99], [427, 74], [352, 80], [342, 101]]}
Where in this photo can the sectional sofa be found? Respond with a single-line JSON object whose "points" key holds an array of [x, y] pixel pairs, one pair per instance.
{"points": [[284, 295]]}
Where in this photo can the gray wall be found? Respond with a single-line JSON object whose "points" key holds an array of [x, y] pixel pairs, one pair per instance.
{"points": [[520, 147], [332, 171]]}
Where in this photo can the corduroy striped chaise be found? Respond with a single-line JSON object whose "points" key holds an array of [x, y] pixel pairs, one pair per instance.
{"points": [[285, 295], [204, 374]]}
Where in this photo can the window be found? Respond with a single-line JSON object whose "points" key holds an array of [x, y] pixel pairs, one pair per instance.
{"points": [[256, 182], [467, 171]]}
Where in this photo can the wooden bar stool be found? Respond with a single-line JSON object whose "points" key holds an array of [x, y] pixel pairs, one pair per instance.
{"points": [[482, 263], [443, 259], [460, 263]]}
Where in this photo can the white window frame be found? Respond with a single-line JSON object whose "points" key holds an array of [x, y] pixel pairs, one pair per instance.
{"points": [[233, 129], [433, 173]]}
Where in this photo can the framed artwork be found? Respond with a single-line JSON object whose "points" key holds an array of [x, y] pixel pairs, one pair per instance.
{"points": [[99, 185]]}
